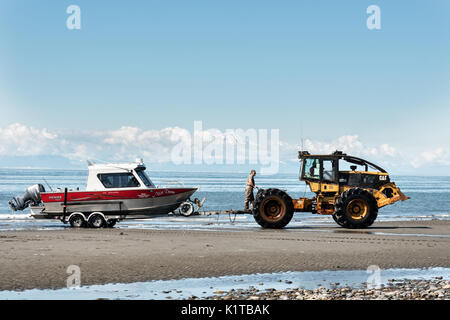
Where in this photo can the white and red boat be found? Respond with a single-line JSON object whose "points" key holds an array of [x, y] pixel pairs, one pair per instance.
{"points": [[113, 192]]}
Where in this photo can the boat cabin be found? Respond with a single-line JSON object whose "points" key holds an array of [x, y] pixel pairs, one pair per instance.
{"points": [[118, 176]]}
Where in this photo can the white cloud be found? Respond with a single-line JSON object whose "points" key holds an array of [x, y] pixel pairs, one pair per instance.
{"points": [[17, 139], [124, 136], [349, 144], [386, 149], [432, 157], [127, 143], [132, 142]]}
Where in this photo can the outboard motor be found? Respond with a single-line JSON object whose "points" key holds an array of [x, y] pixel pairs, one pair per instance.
{"points": [[31, 197]]}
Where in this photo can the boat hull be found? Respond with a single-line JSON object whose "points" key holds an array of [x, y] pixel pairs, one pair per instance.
{"points": [[116, 202]]}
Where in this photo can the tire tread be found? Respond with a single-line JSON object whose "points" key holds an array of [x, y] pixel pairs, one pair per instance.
{"points": [[261, 195], [340, 215]]}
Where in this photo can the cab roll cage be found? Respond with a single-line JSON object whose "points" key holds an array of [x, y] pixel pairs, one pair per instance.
{"points": [[339, 155]]}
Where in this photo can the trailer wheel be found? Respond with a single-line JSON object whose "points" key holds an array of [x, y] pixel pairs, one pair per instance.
{"points": [[96, 221], [77, 220], [273, 208], [355, 208], [111, 223], [186, 209]]}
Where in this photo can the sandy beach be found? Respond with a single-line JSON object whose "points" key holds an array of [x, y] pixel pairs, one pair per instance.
{"points": [[39, 259]]}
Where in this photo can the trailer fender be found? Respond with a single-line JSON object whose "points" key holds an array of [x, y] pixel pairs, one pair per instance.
{"points": [[74, 213], [100, 213]]}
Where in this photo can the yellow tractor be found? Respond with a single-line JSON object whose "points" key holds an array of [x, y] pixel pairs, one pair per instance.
{"points": [[351, 196]]}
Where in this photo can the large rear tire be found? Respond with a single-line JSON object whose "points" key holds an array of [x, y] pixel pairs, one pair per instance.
{"points": [[355, 208], [273, 208]]}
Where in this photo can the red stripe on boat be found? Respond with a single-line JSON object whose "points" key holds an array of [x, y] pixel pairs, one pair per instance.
{"points": [[110, 195]]}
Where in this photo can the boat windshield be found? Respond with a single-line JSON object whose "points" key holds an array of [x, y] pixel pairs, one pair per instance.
{"points": [[145, 179]]}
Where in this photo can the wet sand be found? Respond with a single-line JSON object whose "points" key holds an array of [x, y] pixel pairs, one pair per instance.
{"points": [[39, 259]]}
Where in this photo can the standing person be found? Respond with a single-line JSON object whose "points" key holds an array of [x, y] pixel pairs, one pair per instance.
{"points": [[249, 190]]}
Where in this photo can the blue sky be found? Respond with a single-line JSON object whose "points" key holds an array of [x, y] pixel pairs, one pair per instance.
{"points": [[308, 68]]}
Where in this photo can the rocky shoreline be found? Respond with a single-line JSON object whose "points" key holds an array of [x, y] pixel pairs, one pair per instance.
{"points": [[436, 289]]}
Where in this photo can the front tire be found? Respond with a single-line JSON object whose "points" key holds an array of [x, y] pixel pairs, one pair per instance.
{"points": [[355, 209], [273, 208], [186, 209]]}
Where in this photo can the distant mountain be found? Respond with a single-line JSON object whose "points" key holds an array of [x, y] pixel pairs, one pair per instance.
{"points": [[41, 162]]}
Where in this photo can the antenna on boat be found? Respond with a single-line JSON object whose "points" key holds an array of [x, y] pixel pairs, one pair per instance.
{"points": [[47, 184]]}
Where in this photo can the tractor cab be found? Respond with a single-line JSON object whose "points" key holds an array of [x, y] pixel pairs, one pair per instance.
{"points": [[340, 169]]}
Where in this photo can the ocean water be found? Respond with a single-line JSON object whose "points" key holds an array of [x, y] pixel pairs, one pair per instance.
{"points": [[430, 197]]}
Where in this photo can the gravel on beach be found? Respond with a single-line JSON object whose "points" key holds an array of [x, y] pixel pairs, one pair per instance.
{"points": [[436, 289]]}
